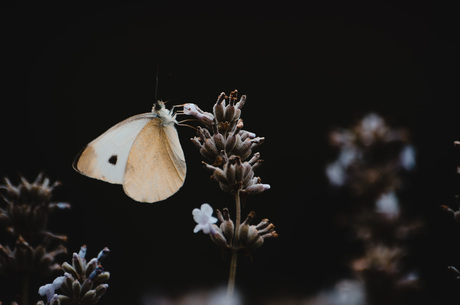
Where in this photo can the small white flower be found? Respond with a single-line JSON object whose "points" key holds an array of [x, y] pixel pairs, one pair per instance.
{"points": [[193, 110], [407, 157], [388, 204], [336, 173], [204, 219], [48, 290], [190, 109], [57, 283]]}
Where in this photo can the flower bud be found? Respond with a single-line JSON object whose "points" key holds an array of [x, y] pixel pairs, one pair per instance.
{"points": [[95, 273], [86, 286], [257, 141], [101, 289], [248, 173], [220, 176], [210, 146], [91, 266], [103, 254], [103, 277], [244, 228], [89, 297], [219, 141], [203, 133], [227, 227], [77, 263], [230, 173], [229, 113], [254, 158], [237, 115], [256, 189], [76, 289], [218, 108], [204, 117], [55, 300], [63, 299], [69, 269], [196, 142], [257, 164], [241, 102], [82, 252], [218, 238], [230, 144], [239, 172], [209, 167], [244, 151]]}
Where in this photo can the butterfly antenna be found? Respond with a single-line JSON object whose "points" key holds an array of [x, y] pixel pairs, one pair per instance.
{"points": [[156, 83], [155, 102]]}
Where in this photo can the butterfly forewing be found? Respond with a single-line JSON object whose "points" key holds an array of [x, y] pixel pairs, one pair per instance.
{"points": [[105, 157]]}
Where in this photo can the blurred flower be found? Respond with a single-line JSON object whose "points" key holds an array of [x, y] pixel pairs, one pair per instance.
{"points": [[24, 215], [83, 282], [407, 157], [371, 156], [456, 216], [370, 162], [388, 205], [204, 219], [48, 290], [198, 297], [28, 247]]}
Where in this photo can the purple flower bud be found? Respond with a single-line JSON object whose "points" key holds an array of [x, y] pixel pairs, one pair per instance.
{"points": [[256, 189], [218, 108], [96, 272], [103, 254], [229, 113], [241, 102], [82, 252]]}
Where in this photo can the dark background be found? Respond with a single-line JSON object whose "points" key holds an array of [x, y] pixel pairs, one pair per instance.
{"points": [[70, 71]]}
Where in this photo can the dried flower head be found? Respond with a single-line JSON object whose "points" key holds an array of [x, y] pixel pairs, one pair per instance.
{"points": [[83, 282], [24, 215], [227, 147], [228, 150]]}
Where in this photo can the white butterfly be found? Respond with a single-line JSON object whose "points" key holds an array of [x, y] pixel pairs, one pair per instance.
{"points": [[143, 153]]}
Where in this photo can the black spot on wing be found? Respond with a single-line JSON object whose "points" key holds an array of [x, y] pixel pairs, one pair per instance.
{"points": [[113, 159]]}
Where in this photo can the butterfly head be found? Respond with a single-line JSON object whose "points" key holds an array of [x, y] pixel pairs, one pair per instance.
{"points": [[160, 111]]}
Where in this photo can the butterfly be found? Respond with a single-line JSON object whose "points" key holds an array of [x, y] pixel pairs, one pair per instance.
{"points": [[143, 153]]}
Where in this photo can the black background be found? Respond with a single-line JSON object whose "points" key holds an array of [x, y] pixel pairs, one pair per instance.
{"points": [[70, 71]]}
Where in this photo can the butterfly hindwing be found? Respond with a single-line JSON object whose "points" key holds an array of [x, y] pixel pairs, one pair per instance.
{"points": [[156, 167]]}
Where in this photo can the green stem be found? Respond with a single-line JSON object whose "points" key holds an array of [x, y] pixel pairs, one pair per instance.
{"points": [[235, 245]]}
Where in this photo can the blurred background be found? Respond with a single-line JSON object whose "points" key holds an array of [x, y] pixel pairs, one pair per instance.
{"points": [[72, 70]]}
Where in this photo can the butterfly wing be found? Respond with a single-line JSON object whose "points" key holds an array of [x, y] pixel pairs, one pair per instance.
{"points": [[156, 164], [105, 157]]}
